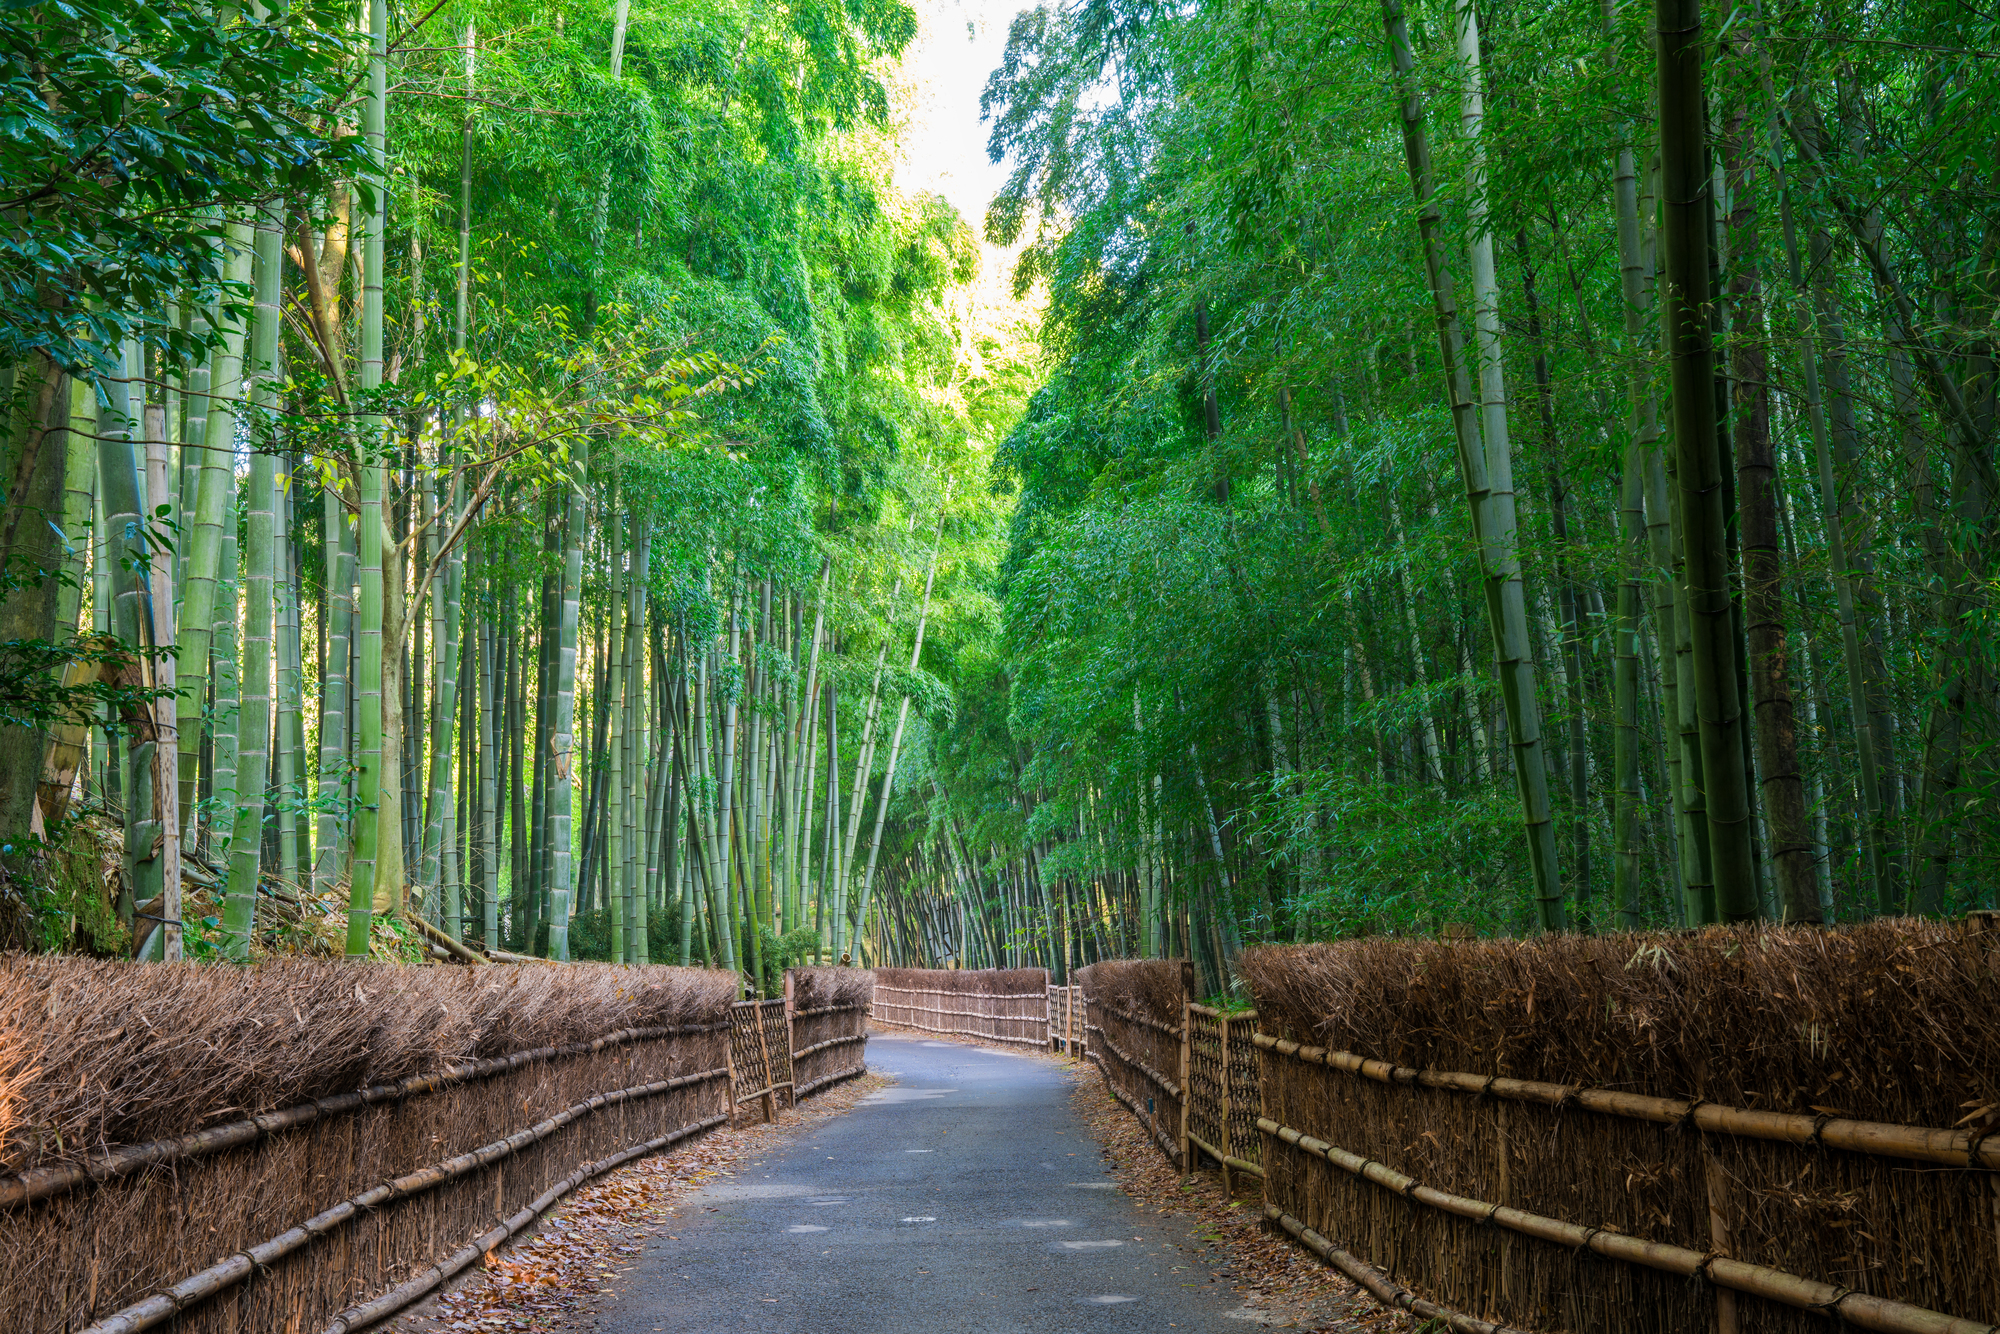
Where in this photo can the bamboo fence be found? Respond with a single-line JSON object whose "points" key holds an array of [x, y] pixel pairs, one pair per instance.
{"points": [[1066, 1020], [1740, 1129], [829, 1024], [1135, 1021], [1224, 1099], [473, 1101], [1737, 1129], [997, 1004]]}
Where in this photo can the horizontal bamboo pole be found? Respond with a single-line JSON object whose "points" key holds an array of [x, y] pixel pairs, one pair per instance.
{"points": [[109, 1164], [433, 1277], [1171, 1030], [830, 1009], [1151, 1123], [1230, 1160], [886, 1022], [1379, 1285], [1167, 1086], [1844, 1304], [965, 995], [199, 1287], [1954, 1148], [968, 1014], [814, 1085], [830, 1042]]}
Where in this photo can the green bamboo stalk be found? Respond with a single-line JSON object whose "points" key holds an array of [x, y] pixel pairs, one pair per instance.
{"points": [[1691, 355], [1485, 469], [125, 549], [369, 701], [334, 730], [613, 706], [228, 683], [489, 755], [222, 376], [289, 686], [560, 792], [1627, 744], [253, 725], [636, 890], [262, 533], [902, 720]]}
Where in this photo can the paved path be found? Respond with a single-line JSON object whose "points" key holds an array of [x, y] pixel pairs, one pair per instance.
{"points": [[965, 1197]]}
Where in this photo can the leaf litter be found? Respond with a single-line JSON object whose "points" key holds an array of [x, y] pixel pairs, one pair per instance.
{"points": [[1225, 1238], [560, 1270]]}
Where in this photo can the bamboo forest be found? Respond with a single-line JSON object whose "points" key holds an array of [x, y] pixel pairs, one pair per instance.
{"points": [[534, 478]]}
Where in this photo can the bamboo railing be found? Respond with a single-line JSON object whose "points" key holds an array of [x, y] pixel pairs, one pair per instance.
{"points": [[1066, 1020], [477, 1149], [827, 1041], [1233, 1089], [1010, 1007]]}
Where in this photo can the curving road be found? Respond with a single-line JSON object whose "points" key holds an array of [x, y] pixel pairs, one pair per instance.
{"points": [[965, 1197]]}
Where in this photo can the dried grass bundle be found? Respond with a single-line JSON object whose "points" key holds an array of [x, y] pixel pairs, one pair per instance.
{"points": [[967, 981], [102, 1052], [829, 1040], [813, 988], [1150, 988], [1892, 1021], [98, 1053], [1788, 1019]]}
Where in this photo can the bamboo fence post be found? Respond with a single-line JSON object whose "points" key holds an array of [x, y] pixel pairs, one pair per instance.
{"points": [[771, 1073], [1187, 1018], [1069, 1021], [1718, 1234], [1984, 923], [791, 1040], [1228, 1147]]}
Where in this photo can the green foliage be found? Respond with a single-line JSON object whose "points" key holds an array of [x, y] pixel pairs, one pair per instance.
{"points": [[129, 129]]}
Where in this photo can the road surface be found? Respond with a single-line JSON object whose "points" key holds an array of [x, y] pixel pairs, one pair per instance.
{"points": [[965, 1197]]}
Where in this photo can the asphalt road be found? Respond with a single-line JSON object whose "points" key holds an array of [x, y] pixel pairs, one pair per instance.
{"points": [[965, 1197]]}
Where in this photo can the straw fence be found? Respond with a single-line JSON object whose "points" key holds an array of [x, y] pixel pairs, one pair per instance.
{"points": [[997, 1004], [829, 1009], [1739, 1129], [315, 1146], [1135, 1022]]}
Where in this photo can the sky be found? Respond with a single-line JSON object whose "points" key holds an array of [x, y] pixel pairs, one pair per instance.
{"points": [[959, 43]]}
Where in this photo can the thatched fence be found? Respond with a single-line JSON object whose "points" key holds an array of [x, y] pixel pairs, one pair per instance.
{"points": [[1738, 1129], [314, 1146], [997, 1004], [829, 1008]]}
